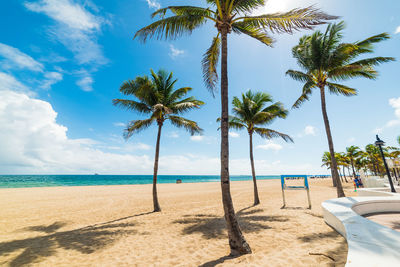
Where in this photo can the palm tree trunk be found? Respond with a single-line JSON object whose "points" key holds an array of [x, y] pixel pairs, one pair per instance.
{"points": [[335, 175], [237, 242], [344, 174], [253, 171], [352, 166], [155, 198], [340, 175]]}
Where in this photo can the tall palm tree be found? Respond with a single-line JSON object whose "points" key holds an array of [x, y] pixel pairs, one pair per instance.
{"points": [[251, 113], [228, 16], [156, 97], [325, 61], [353, 152]]}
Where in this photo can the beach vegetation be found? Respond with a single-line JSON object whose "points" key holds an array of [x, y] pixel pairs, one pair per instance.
{"points": [[252, 113], [324, 61], [228, 16], [155, 97]]}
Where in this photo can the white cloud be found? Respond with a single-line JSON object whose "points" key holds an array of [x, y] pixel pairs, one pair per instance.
{"points": [[50, 79], [14, 58], [85, 83], [351, 140], [77, 29], [32, 141], [395, 104], [397, 30], [175, 52], [269, 145], [64, 11], [197, 138], [173, 135], [309, 130], [8, 82], [154, 4], [119, 124], [234, 134], [272, 6]]}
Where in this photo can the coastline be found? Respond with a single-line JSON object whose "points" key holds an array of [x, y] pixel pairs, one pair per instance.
{"points": [[113, 225]]}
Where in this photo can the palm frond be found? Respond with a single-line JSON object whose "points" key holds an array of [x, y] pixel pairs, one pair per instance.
{"points": [[246, 6], [137, 126], [340, 89], [185, 11], [252, 31], [210, 63], [234, 123], [179, 93], [288, 22], [183, 107], [188, 125], [132, 105], [298, 76], [171, 27], [304, 96], [269, 134]]}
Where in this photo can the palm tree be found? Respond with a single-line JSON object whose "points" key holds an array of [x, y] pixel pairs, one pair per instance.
{"points": [[251, 113], [228, 16], [343, 161], [156, 97], [373, 155], [353, 152], [325, 61]]}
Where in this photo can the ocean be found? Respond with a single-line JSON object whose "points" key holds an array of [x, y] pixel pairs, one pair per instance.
{"points": [[18, 181]]}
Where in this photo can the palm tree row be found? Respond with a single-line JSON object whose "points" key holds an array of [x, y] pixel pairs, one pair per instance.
{"points": [[322, 57], [368, 160]]}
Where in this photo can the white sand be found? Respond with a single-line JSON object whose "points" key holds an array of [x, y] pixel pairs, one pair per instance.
{"points": [[112, 226]]}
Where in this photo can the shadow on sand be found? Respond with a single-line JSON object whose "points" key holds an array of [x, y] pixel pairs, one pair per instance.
{"points": [[212, 226], [85, 240]]}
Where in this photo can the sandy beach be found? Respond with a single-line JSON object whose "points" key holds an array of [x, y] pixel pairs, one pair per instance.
{"points": [[113, 226]]}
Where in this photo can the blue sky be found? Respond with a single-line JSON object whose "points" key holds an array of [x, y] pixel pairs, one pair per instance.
{"points": [[62, 62]]}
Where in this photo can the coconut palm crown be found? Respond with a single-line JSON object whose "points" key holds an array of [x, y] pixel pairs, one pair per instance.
{"points": [[156, 98], [228, 16], [325, 61], [252, 113]]}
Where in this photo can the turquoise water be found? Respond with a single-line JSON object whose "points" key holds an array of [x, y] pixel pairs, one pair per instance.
{"points": [[16, 181]]}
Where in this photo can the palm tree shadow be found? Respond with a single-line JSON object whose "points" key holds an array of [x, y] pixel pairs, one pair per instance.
{"points": [[85, 240], [212, 226], [217, 261]]}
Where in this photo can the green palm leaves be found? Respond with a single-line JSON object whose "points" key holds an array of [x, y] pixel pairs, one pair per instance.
{"points": [[251, 112], [325, 60], [228, 15], [156, 97]]}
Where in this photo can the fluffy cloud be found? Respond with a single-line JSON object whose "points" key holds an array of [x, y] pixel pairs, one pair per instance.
{"points": [[175, 52], [309, 130], [397, 30], [234, 134], [197, 138], [77, 29], [33, 142], [395, 104], [8, 82], [154, 4], [50, 79], [269, 145], [14, 58]]}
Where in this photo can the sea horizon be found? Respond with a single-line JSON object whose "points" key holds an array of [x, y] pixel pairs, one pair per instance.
{"points": [[37, 180]]}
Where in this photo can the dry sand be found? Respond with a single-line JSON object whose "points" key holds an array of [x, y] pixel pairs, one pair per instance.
{"points": [[112, 226]]}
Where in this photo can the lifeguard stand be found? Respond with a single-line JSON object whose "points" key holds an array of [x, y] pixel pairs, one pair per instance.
{"points": [[297, 187]]}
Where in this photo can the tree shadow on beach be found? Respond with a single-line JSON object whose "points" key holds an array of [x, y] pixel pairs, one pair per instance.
{"points": [[85, 240], [337, 255], [212, 226]]}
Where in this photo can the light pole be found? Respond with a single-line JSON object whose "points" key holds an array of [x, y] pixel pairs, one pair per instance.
{"points": [[379, 143]]}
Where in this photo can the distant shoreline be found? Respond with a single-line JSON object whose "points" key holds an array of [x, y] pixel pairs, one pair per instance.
{"points": [[31, 181]]}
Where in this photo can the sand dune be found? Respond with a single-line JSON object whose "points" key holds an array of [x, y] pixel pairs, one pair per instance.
{"points": [[112, 226]]}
